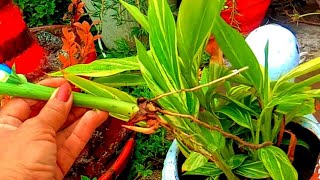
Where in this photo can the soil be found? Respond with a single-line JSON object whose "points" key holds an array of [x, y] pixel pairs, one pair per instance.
{"points": [[156, 175], [52, 44]]}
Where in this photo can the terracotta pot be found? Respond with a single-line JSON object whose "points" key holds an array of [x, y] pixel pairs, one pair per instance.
{"points": [[102, 150], [246, 15], [57, 31]]}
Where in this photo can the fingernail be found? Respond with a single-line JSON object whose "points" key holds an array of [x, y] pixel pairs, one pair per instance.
{"points": [[64, 92]]}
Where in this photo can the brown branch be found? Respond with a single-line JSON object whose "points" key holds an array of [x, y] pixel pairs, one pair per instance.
{"points": [[235, 72], [216, 128]]}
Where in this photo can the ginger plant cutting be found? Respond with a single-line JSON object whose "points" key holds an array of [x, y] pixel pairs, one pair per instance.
{"points": [[227, 120]]}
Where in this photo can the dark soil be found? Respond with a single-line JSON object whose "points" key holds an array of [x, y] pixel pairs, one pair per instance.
{"points": [[305, 160], [52, 44]]}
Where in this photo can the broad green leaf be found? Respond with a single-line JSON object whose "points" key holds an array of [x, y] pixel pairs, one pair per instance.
{"points": [[163, 41], [296, 108], [209, 169], [241, 117], [300, 70], [191, 40], [237, 160], [135, 12], [293, 104], [238, 52], [238, 130], [100, 68], [300, 86], [158, 83], [101, 91], [154, 77], [119, 80], [214, 140], [194, 161], [277, 163], [204, 78], [240, 92], [252, 169], [242, 105]]}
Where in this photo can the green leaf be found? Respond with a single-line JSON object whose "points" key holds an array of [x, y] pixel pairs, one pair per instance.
{"points": [[299, 143], [241, 117], [163, 41], [191, 40], [238, 52], [194, 161], [300, 70], [100, 68], [214, 140], [251, 169], [266, 80], [119, 80], [101, 91], [209, 169], [137, 15], [237, 160], [84, 178], [300, 86], [277, 163]]}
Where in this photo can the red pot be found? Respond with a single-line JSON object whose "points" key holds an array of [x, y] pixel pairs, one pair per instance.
{"points": [[246, 15]]}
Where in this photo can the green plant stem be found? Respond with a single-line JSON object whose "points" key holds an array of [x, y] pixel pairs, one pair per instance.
{"points": [[39, 92], [212, 156]]}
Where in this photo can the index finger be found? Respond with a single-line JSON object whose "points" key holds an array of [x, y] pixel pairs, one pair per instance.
{"points": [[54, 114]]}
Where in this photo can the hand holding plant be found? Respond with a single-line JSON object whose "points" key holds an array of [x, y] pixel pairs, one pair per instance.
{"points": [[51, 141]]}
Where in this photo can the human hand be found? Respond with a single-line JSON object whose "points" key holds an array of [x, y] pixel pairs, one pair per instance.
{"points": [[44, 146]]}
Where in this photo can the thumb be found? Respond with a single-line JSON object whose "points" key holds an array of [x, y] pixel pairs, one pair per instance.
{"points": [[57, 109]]}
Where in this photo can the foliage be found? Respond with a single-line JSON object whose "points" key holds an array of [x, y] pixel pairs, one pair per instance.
{"points": [[149, 154], [87, 178], [78, 41], [39, 13], [122, 50], [75, 11], [77, 53]]}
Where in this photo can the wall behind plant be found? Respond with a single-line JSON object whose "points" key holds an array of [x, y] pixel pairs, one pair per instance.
{"points": [[40, 12]]}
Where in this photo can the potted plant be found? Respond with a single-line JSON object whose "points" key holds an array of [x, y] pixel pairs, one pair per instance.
{"points": [[227, 120]]}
